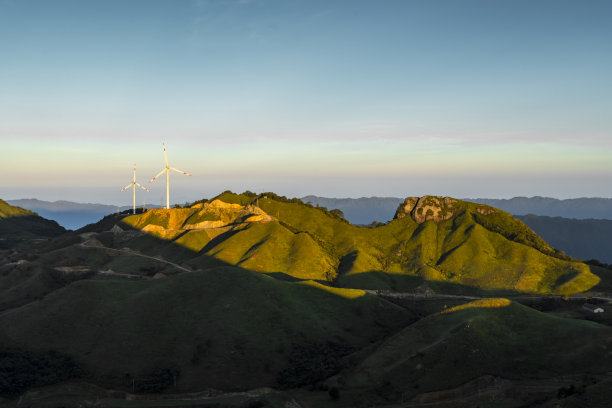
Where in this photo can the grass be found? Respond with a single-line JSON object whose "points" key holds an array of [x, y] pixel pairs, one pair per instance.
{"points": [[495, 337], [17, 223], [490, 302], [7, 210], [459, 250], [225, 328], [479, 247]]}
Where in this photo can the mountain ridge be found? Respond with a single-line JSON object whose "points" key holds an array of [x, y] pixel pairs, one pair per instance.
{"points": [[297, 237]]}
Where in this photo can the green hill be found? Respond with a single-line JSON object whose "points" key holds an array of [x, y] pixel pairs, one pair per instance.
{"points": [[19, 223], [441, 240], [223, 328], [492, 337]]}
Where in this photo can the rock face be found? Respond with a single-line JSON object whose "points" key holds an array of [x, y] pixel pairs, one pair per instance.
{"points": [[227, 213], [211, 215], [428, 208]]}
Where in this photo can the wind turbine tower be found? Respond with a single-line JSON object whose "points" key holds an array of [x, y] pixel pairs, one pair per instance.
{"points": [[133, 184], [167, 170]]}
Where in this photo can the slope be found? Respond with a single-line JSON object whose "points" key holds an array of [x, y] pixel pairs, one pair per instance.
{"points": [[441, 240], [493, 337], [18, 224], [450, 241], [225, 328]]}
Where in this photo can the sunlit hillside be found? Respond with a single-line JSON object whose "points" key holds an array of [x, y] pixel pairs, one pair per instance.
{"points": [[443, 241]]}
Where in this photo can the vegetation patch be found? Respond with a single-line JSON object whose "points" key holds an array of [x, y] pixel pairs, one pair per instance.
{"points": [[347, 293], [311, 363], [22, 369], [491, 302]]}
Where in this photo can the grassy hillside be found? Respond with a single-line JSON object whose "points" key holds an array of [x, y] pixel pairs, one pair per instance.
{"points": [[17, 223], [492, 337], [224, 328], [471, 245]]}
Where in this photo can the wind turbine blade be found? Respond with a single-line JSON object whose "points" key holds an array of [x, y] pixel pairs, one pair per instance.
{"points": [[144, 188], [179, 171], [159, 174], [126, 187], [165, 157]]}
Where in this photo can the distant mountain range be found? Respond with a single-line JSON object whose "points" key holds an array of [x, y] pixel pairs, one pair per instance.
{"points": [[584, 239], [69, 214], [364, 210], [359, 211], [580, 208]]}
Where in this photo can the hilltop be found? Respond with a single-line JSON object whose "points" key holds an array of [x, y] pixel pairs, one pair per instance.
{"points": [[576, 226]]}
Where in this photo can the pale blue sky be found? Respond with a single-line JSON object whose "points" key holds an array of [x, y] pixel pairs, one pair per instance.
{"points": [[336, 98]]}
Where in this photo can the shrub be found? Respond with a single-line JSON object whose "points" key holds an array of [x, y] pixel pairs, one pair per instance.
{"points": [[22, 369]]}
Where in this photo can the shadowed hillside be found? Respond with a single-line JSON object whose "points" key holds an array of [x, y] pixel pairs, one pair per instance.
{"points": [[146, 325], [18, 225], [494, 342]]}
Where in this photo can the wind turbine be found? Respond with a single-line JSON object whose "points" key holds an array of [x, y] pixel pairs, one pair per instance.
{"points": [[133, 184], [167, 170]]}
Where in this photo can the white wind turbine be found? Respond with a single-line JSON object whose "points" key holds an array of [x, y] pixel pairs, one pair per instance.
{"points": [[167, 170], [133, 184]]}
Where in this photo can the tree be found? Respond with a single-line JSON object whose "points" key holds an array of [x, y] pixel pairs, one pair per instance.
{"points": [[337, 213]]}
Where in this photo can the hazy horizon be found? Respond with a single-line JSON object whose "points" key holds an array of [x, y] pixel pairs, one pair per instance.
{"points": [[336, 99], [122, 204]]}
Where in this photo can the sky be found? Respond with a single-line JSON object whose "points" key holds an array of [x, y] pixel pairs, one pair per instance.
{"points": [[459, 98]]}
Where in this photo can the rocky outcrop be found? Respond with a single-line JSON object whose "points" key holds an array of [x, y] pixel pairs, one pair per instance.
{"points": [[210, 215], [218, 213], [428, 208], [485, 210]]}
